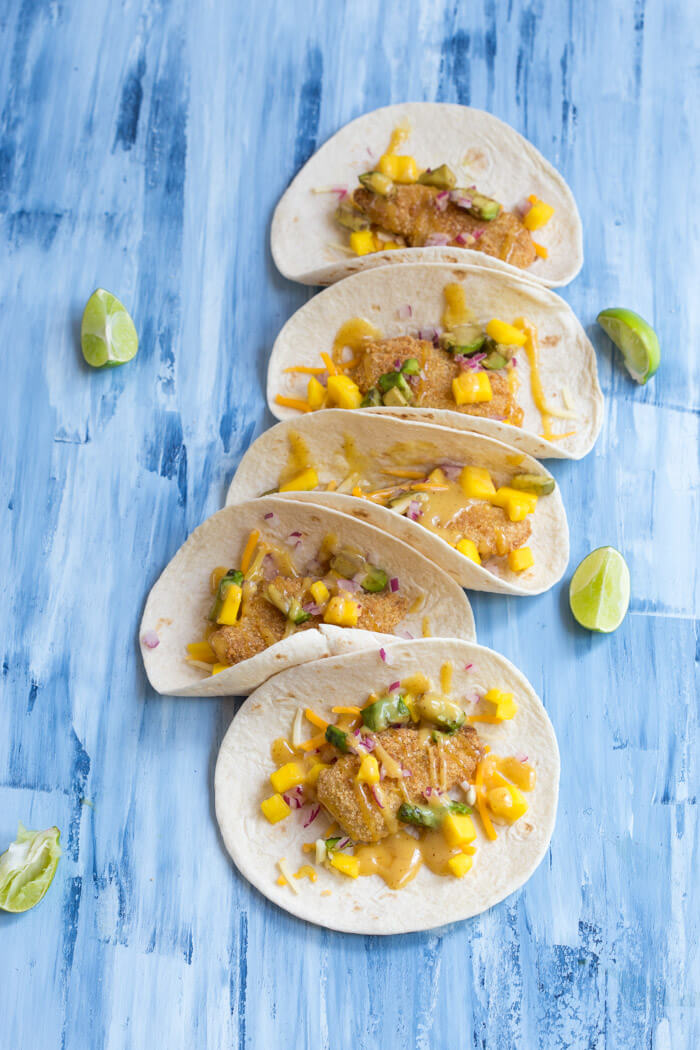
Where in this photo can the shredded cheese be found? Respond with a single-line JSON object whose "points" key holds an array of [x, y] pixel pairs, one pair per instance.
{"points": [[287, 874], [249, 549]]}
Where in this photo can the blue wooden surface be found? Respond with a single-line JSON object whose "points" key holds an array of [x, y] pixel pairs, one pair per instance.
{"points": [[143, 146]]}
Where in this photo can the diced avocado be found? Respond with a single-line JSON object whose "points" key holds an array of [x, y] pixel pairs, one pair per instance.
{"points": [[459, 807], [375, 580], [296, 613], [465, 339], [377, 183], [482, 207], [389, 710], [444, 713], [420, 816], [396, 398], [411, 366], [494, 361], [350, 217], [540, 484], [226, 581], [347, 563], [371, 399], [338, 738], [291, 609], [393, 379], [443, 178]]}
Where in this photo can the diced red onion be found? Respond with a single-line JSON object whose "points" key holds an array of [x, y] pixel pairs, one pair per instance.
{"points": [[150, 639], [312, 608], [312, 816], [461, 239], [268, 567], [436, 240], [524, 208], [394, 686], [368, 743], [405, 634], [348, 585], [394, 584], [382, 655], [404, 312], [514, 362], [476, 234], [340, 192], [414, 510], [295, 534], [451, 470], [442, 200], [458, 197], [406, 773], [468, 667], [521, 757], [377, 799], [343, 843], [268, 515]]}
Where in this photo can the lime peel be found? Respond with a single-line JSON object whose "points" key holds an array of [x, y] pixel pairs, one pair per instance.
{"points": [[27, 868], [599, 592], [108, 336], [635, 339]]}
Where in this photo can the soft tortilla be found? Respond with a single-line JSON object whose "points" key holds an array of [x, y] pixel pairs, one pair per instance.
{"points": [[180, 600], [308, 245], [567, 359], [375, 436], [366, 905]]}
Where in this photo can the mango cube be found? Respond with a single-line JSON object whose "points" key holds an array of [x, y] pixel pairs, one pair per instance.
{"points": [[304, 482], [343, 392], [516, 504], [319, 592], [217, 668], [315, 771], [202, 652], [315, 393], [349, 866], [458, 829], [399, 168], [460, 865], [469, 549], [476, 483], [275, 808], [507, 334], [231, 605], [502, 704], [539, 214], [368, 773], [507, 802], [362, 242], [470, 388], [343, 612], [287, 776], [520, 559]]}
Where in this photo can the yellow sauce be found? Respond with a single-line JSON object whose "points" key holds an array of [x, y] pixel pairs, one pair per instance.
{"points": [[396, 859], [298, 458], [446, 677], [456, 310], [281, 751], [306, 872], [436, 852], [520, 773], [398, 136], [531, 349], [355, 334]]}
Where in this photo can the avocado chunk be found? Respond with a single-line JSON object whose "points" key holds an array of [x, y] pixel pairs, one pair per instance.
{"points": [[410, 367], [483, 207], [349, 217], [444, 713], [375, 580], [371, 399], [377, 183], [465, 339], [540, 484], [389, 710], [395, 389], [338, 738], [396, 398], [443, 178], [494, 360]]}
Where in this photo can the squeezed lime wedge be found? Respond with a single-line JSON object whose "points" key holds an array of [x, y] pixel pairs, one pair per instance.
{"points": [[108, 336], [635, 338], [27, 868], [599, 592]]}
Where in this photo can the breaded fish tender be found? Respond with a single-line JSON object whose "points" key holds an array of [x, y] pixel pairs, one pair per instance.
{"points": [[411, 212], [491, 529], [419, 758]]}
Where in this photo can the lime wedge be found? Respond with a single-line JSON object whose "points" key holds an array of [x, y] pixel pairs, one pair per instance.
{"points": [[599, 592], [27, 868], [107, 333], [636, 339]]}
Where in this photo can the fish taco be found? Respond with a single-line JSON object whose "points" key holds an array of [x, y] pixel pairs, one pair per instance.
{"points": [[459, 346], [390, 791], [427, 182], [271, 583], [489, 515]]}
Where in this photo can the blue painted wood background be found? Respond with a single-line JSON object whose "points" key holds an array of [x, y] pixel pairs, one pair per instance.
{"points": [[143, 146]]}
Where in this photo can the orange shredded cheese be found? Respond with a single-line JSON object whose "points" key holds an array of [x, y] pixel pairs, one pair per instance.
{"points": [[314, 742], [330, 366], [481, 802], [292, 402], [346, 710], [306, 370], [249, 549]]}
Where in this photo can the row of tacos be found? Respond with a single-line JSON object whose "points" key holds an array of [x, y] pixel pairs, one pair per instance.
{"points": [[382, 753]]}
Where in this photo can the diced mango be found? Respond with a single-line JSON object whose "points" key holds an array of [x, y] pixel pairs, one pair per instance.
{"points": [[319, 592], [476, 483], [349, 866], [399, 168], [315, 394], [507, 334], [389, 246], [287, 776], [343, 392], [539, 214], [507, 802], [437, 477], [315, 771], [460, 865], [232, 603], [469, 549], [201, 651], [502, 705], [343, 612], [516, 504], [540, 250], [275, 808], [458, 829], [304, 482], [362, 242], [368, 773], [521, 559], [217, 668], [469, 388]]}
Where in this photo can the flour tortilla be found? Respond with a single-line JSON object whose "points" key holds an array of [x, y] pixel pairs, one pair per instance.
{"points": [[566, 360], [366, 905], [308, 245], [377, 437], [180, 600]]}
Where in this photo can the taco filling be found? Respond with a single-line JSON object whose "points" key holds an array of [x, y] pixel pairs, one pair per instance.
{"points": [[269, 597], [401, 782], [398, 205], [484, 518], [464, 365]]}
